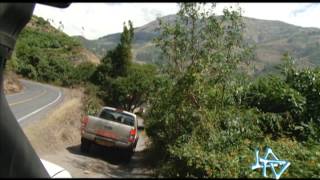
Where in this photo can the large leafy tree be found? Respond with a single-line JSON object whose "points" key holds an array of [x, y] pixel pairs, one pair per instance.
{"points": [[131, 91], [202, 53], [118, 60], [122, 83]]}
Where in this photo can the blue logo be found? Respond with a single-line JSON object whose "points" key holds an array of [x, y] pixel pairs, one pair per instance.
{"points": [[265, 163]]}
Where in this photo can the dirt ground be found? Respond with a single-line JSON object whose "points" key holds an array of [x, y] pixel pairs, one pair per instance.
{"points": [[56, 138], [11, 83]]}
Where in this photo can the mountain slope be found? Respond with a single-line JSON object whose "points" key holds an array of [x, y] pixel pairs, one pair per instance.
{"points": [[46, 54], [53, 42], [271, 38]]}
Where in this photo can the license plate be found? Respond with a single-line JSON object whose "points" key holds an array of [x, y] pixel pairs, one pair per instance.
{"points": [[108, 134], [104, 143]]}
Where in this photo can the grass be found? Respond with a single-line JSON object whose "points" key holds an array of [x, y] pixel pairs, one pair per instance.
{"points": [[60, 127]]}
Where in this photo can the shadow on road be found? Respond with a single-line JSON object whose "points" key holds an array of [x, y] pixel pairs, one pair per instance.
{"points": [[137, 167], [110, 155], [114, 163]]}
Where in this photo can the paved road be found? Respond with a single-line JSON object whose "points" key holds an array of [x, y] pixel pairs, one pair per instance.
{"points": [[34, 101]]}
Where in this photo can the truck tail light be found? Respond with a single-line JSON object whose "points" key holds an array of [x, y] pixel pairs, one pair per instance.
{"points": [[84, 123], [132, 134]]}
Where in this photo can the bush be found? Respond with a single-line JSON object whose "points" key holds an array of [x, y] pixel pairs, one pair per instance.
{"points": [[129, 92], [218, 144], [43, 54], [92, 102], [275, 124], [84, 71], [271, 94], [307, 82]]}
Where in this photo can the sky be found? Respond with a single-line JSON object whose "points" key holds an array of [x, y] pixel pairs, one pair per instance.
{"points": [[94, 20]]}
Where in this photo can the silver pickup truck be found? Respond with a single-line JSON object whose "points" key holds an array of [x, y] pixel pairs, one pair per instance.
{"points": [[111, 128]]}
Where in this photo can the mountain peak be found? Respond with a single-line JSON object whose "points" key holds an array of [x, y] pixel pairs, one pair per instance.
{"points": [[272, 39]]}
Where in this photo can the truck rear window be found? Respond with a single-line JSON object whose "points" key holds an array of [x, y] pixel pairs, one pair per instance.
{"points": [[117, 117]]}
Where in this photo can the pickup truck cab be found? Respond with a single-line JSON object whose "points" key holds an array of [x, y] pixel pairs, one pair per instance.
{"points": [[111, 128]]}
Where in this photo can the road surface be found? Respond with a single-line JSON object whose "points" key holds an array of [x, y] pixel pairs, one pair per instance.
{"points": [[34, 101]]}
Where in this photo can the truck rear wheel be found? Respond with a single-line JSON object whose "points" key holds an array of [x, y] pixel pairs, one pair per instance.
{"points": [[85, 145]]}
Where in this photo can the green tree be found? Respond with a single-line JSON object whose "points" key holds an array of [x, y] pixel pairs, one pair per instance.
{"points": [[124, 84], [202, 53], [103, 70], [117, 61], [84, 71], [121, 56], [131, 91]]}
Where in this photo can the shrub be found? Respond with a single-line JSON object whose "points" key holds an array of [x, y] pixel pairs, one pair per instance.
{"points": [[84, 71], [131, 91], [215, 147], [92, 102], [271, 94], [43, 54], [307, 82]]}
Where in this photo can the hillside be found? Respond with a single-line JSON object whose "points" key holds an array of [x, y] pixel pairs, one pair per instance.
{"points": [[41, 35], [271, 38], [46, 54]]}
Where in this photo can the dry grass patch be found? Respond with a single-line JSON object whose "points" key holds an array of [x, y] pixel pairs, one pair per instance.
{"points": [[60, 128], [11, 83]]}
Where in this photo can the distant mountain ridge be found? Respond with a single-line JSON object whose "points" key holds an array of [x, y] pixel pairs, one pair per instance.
{"points": [[271, 38]]}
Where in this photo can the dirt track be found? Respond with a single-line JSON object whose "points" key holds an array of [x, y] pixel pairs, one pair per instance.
{"points": [[57, 139], [101, 162]]}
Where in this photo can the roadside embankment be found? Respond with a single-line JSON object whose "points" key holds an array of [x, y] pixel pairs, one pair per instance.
{"points": [[59, 128], [11, 83]]}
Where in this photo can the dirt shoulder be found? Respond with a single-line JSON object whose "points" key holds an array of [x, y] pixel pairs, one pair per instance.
{"points": [[56, 138], [11, 83]]}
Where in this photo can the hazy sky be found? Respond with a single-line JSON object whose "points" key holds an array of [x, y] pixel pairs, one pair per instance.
{"points": [[94, 20]]}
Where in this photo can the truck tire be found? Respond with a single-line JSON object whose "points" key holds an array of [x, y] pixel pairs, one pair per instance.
{"points": [[85, 145]]}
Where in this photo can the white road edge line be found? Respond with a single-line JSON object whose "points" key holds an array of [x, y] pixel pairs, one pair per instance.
{"points": [[40, 109]]}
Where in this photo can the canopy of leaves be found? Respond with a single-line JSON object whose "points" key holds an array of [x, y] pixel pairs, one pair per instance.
{"points": [[43, 53], [204, 120], [132, 91], [121, 83]]}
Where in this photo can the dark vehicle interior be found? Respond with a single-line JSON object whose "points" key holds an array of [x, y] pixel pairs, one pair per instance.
{"points": [[18, 158], [117, 117]]}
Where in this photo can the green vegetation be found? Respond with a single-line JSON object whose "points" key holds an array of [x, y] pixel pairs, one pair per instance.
{"points": [[132, 91], [121, 56], [122, 83], [207, 116], [45, 54]]}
